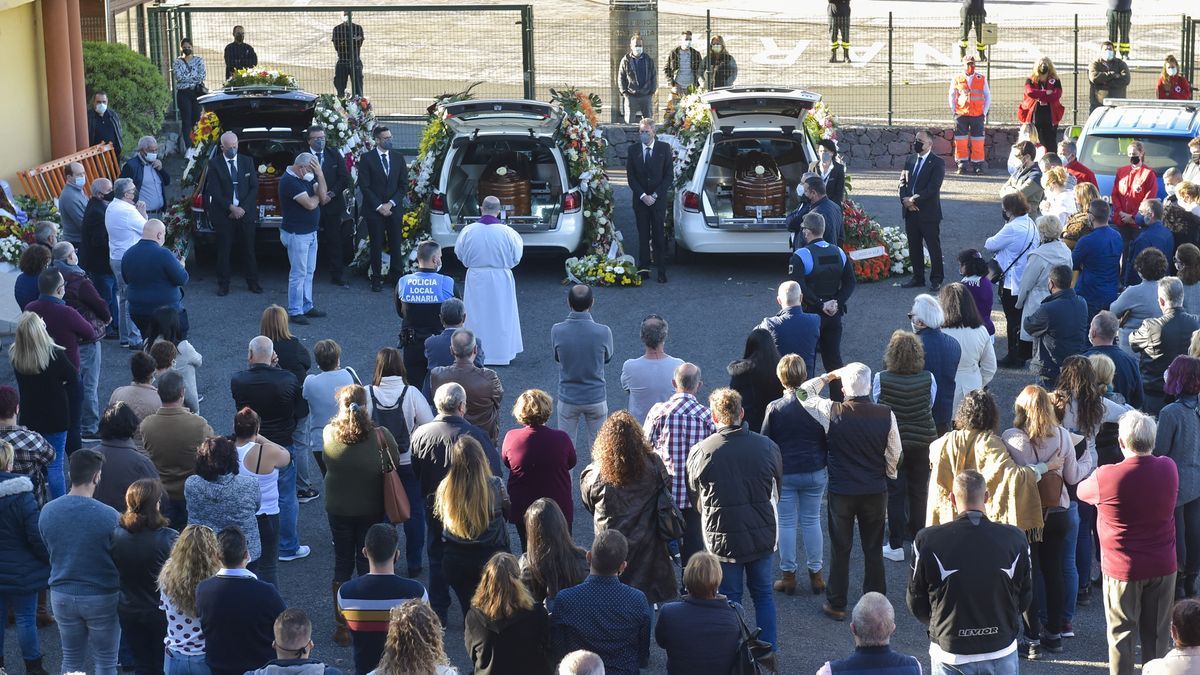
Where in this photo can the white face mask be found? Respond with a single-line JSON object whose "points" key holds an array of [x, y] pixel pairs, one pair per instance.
{"points": [[1108, 55], [1172, 70], [310, 177], [1170, 189], [151, 156], [79, 180], [686, 44], [101, 108], [1014, 165], [637, 51], [717, 49]]}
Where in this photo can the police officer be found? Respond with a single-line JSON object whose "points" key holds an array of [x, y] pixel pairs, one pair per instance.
{"points": [[839, 23], [973, 15], [419, 298], [970, 99], [826, 278], [333, 212]]}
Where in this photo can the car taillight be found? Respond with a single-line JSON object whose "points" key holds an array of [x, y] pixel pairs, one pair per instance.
{"points": [[691, 201], [198, 201], [437, 203], [572, 202]]}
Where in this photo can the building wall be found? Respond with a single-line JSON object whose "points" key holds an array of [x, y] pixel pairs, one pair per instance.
{"points": [[23, 116]]}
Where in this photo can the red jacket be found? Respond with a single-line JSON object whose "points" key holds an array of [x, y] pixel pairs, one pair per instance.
{"points": [[1036, 92], [1176, 87], [1081, 172], [1131, 186], [1136, 504]]}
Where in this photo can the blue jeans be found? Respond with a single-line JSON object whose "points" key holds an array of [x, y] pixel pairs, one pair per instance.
{"points": [[87, 621], [1005, 665], [179, 664], [1070, 571], [302, 257], [289, 508], [302, 440], [106, 286], [266, 568], [414, 527], [57, 479], [800, 499], [129, 332], [89, 380], [758, 578], [24, 606]]}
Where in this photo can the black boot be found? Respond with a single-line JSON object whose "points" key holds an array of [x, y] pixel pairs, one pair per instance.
{"points": [[34, 667], [833, 55], [982, 56], [846, 54]]}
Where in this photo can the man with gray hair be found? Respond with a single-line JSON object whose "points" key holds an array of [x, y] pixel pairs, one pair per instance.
{"points": [[1160, 339], [672, 428], [1135, 503], [581, 662], [1127, 379], [171, 437], [82, 296], [872, 624], [45, 234], [123, 221], [1058, 326], [864, 449], [231, 201], [430, 445], [437, 347], [794, 330], [647, 379], [482, 385], [489, 250], [1066, 152], [149, 177], [1151, 233], [300, 200], [72, 202]]}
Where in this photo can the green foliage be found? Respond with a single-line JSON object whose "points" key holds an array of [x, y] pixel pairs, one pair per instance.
{"points": [[136, 89]]}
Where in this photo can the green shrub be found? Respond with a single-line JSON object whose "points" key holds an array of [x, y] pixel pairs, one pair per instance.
{"points": [[136, 89]]}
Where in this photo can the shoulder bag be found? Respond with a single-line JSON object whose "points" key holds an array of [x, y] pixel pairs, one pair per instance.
{"points": [[1050, 485], [668, 519], [996, 275], [754, 656], [395, 499]]}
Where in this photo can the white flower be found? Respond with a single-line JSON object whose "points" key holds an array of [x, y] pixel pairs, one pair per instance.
{"points": [[502, 171], [618, 270], [760, 170], [602, 220], [586, 214], [262, 168]]}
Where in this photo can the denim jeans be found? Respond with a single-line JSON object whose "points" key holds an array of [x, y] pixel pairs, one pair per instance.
{"points": [[180, 664], [758, 578], [89, 380], [106, 286], [1070, 571], [1084, 548], [302, 257], [800, 500], [129, 332], [593, 415], [439, 588], [87, 621], [24, 607], [302, 440], [289, 508], [1005, 665], [414, 527], [267, 566], [56, 479]]}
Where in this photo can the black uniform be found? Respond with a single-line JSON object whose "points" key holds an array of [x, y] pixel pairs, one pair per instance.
{"points": [[828, 274], [973, 15], [839, 24], [419, 298], [347, 40]]}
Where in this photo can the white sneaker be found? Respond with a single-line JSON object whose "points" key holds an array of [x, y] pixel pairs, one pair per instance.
{"points": [[893, 554], [303, 552]]}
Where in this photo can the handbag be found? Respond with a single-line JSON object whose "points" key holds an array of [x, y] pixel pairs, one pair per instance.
{"points": [[754, 656], [1050, 487], [395, 499], [668, 519]]}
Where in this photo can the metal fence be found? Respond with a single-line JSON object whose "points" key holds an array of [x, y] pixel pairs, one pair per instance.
{"points": [[899, 73]]}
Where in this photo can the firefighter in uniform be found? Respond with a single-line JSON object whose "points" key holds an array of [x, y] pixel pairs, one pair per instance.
{"points": [[419, 298], [839, 24], [826, 277], [973, 15], [1119, 14], [970, 99]]}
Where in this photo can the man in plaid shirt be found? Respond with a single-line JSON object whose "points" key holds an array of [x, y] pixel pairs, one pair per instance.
{"points": [[673, 427], [32, 454]]}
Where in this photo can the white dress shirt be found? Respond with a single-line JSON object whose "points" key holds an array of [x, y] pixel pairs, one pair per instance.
{"points": [[124, 224]]}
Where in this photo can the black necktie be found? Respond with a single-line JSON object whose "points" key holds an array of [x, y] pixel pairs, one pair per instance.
{"points": [[233, 178], [645, 155], [387, 171], [917, 172]]}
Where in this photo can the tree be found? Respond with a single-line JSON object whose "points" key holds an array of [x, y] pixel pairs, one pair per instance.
{"points": [[136, 89]]}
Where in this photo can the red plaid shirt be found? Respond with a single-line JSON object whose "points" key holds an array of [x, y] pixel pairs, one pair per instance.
{"points": [[673, 427], [32, 455]]}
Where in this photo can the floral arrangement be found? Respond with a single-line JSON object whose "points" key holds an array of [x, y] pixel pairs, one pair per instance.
{"points": [[896, 242], [178, 219], [249, 77], [204, 137], [584, 148], [686, 128], [598, 270], [348, 124], [37, 210], [14, 239], [862, 232]]}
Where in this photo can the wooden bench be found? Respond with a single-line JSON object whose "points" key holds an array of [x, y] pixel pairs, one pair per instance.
{"points": [[45, 181]]}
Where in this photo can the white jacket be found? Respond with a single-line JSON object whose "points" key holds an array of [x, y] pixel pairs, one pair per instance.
{"points": [[1010, 244], [1034, 289], [977, 365]]}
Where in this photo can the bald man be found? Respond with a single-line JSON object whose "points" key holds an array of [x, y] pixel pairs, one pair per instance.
{"points": [[489, 250], [482, 385], [72, 202], [155, 277], [231, 202], [794, 330]]}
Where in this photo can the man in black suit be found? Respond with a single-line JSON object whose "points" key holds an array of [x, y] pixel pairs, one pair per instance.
{"points": [[231, 200], [334, 233], [383, 178], [921, 202], [650, 170]]}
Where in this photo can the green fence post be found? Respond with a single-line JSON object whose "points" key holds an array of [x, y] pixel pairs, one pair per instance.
{"points": [[890, 33], [1075, 107], [708, 45], [527, 53]]}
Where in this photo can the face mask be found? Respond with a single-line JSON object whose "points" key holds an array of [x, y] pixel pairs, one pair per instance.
{"points": [[107, 196], [1172, 70], [918, 147], [1004, 215], [317, 145], [1108, 55], [385, 144], [151, 156], [637, 51], [345, 18], [78, 181], [187, 51], [826, 157], [645, 136], [686, 44], [1014, 165], [1170, 189], [101, 108], [1135, 159], [717, 50], [1196, 156], [230, 153], [310, 177]]}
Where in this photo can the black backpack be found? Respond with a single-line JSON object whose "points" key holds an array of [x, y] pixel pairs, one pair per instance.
{"points": [[392, 418]]}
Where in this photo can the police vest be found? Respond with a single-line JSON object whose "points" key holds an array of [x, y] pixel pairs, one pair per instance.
{"points": [[825, 279], [969, 95], [423, 294]]}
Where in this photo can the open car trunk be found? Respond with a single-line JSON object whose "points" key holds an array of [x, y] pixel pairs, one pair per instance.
{"points": [[271, 156], [531, 171], [742, 154]]}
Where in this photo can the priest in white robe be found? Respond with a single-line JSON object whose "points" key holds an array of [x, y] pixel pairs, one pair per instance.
{"points": [[489, 250]]}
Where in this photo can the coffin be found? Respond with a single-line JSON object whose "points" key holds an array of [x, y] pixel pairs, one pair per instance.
{"points": [[506, 178], [758, 188]]}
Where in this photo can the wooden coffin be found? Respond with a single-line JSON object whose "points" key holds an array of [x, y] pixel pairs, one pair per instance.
{"points": [[758, 188], [507, 178], [268, 195]]}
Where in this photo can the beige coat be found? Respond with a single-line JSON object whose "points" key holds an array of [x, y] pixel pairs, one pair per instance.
{"points": [[1012, 489]]}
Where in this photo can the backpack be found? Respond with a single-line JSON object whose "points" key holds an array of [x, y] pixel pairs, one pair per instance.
{"points": [[392, 418]]}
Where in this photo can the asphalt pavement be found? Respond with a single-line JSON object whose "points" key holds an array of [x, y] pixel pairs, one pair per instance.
{"points": [[711, 302]]}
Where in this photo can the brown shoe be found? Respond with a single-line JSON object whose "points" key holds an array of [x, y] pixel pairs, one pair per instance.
{"points": [[816, 582], [341, 633], [787, 584], [835, 614]]}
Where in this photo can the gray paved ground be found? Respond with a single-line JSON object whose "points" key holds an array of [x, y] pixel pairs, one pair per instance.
{"points": [[711, 302]]}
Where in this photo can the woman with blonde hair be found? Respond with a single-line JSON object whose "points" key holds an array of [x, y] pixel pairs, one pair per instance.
{"points": [[1058, 200], [1037, 437], [1041, 106], [1078, 224], [414, 643], [1050, 253], [539, 459], [472, 506], [700, 633], [1194, 347], [140, 546], [45, 382], [195, 557], [356, 451], [506, 631], [625, 474]]}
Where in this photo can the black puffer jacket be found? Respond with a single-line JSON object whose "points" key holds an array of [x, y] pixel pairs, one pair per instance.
{"points": [[1158, 341], [24, 562], [731, 475]]}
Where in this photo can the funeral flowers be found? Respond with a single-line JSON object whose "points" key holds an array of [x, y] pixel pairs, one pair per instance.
{"points": [[685, 129], [584, 148], [249, 77], [598, 270]]}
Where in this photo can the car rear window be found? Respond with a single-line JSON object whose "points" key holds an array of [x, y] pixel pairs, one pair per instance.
{"points": [[1106, 154]]}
